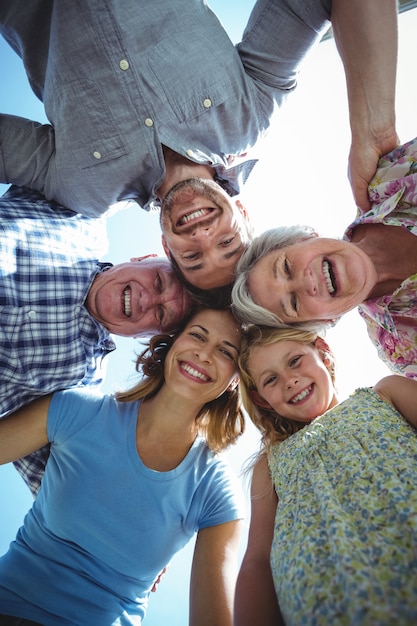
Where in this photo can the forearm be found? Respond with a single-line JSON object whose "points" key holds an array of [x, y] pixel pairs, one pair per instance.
{"points": [[26, 149], [213, 575], [366, 37], [255, 600], [367, 40]]}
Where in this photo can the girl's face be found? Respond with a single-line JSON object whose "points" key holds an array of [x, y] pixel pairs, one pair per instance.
{"points": [[314, 279], [292, 378], [202, 361]]}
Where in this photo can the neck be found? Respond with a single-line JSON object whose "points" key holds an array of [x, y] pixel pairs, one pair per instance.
{"points": [[178, 168], [166, 430], [393, 252]]}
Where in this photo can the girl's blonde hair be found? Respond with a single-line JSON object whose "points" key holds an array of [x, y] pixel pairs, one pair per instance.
{"points": [[272, 426], [220, 421]]}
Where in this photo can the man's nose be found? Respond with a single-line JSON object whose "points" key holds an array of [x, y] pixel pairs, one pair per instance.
{"points": [[203, 234], [147, 301]]}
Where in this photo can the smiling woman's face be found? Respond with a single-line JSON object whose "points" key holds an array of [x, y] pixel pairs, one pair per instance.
{"points": [[315, 279]]}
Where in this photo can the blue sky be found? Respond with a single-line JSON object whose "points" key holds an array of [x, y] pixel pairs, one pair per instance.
{"points": [[300, 178]]}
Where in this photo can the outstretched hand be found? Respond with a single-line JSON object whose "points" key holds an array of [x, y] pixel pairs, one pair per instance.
{"points": [[363, 163]]}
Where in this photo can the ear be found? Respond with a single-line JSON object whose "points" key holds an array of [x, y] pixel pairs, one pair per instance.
{"points": [[324, 349], [242, 209], [233, 384], [165, 246], [259, 400], [141, 258]]}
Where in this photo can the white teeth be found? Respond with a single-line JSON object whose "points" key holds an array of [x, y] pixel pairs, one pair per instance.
{"points": [[127, 302], [328, 277], [301, 395], [194, 372], [193, 215]]}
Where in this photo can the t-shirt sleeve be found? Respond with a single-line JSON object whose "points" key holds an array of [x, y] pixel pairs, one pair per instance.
{"points": [[222, 496], [70, 410]]}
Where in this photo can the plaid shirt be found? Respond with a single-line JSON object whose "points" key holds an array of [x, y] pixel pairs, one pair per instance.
{"points": [[48, 340]]}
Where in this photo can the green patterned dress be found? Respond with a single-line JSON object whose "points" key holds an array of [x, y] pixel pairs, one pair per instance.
{"points": [[345, 540]]}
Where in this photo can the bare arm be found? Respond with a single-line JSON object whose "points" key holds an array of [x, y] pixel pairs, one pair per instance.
{"points": [[24, 431], [213, 575], [401, 392], [367, 40], [256, 600]]}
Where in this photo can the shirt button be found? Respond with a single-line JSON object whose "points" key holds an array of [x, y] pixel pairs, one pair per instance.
{"points": [[148, 122], [124, 65], [190, 153], [31, 315], [207, 103], [97, 154]]}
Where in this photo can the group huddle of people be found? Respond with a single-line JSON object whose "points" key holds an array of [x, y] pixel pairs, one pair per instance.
{"points": [[151, 102]]}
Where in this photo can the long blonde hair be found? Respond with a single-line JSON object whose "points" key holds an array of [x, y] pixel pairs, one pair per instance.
{"points": [[220, 421], [273, 427]]}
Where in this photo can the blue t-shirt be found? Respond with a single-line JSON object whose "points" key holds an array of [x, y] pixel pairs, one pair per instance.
{"points": [[104, 525]]}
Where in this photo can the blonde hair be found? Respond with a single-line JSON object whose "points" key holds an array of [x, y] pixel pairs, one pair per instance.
{"points": [[220, 421], [273, 427]]}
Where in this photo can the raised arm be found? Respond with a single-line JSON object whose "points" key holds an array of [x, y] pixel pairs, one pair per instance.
{"points": [[366, 36], [401, 392], [213, 575], [256, 600], [24, 431], [26, 151]]}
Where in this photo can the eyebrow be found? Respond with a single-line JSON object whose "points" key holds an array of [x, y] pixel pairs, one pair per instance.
{"points": [[227, 343], [226, 256]]}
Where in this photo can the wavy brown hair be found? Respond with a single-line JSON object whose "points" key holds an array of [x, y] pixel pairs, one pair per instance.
{"points": [[220, 421]]}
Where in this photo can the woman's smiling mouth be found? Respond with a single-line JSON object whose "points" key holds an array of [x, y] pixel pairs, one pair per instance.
{"points": [[329, 277], [186, 367]]}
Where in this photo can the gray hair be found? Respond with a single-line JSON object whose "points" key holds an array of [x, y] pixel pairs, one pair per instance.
{"points": [[245, 309]]}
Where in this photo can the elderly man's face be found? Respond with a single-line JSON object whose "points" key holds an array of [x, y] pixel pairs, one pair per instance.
{"points": [[205, 231], [138, 298]]}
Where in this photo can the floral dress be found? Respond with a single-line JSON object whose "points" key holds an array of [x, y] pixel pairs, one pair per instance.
{"points": [[344, 551], [391, 320]]}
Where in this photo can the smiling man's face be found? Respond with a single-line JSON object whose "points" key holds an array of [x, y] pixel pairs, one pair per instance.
{"points": [[205, 231], [138, 298]]}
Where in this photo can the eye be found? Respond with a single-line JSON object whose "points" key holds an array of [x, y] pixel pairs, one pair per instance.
{"points": [[227, 242], [191, 257], [294, 302], [161, 314], [158, 283], [287, 270], [270, 380], [227, 353], [197, 335], [295, 361]]}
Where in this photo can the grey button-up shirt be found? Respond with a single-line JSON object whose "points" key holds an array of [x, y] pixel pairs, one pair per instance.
{"points": [[119, 79]]}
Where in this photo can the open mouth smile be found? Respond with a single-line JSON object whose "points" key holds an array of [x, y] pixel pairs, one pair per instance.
{"points": [[302, 395], [186, 367], [329, 277], [196, 216], [127, 303]]}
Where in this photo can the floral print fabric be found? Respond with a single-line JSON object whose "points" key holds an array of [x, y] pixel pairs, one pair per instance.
{"points": [[344, 551], [392, 320]]}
